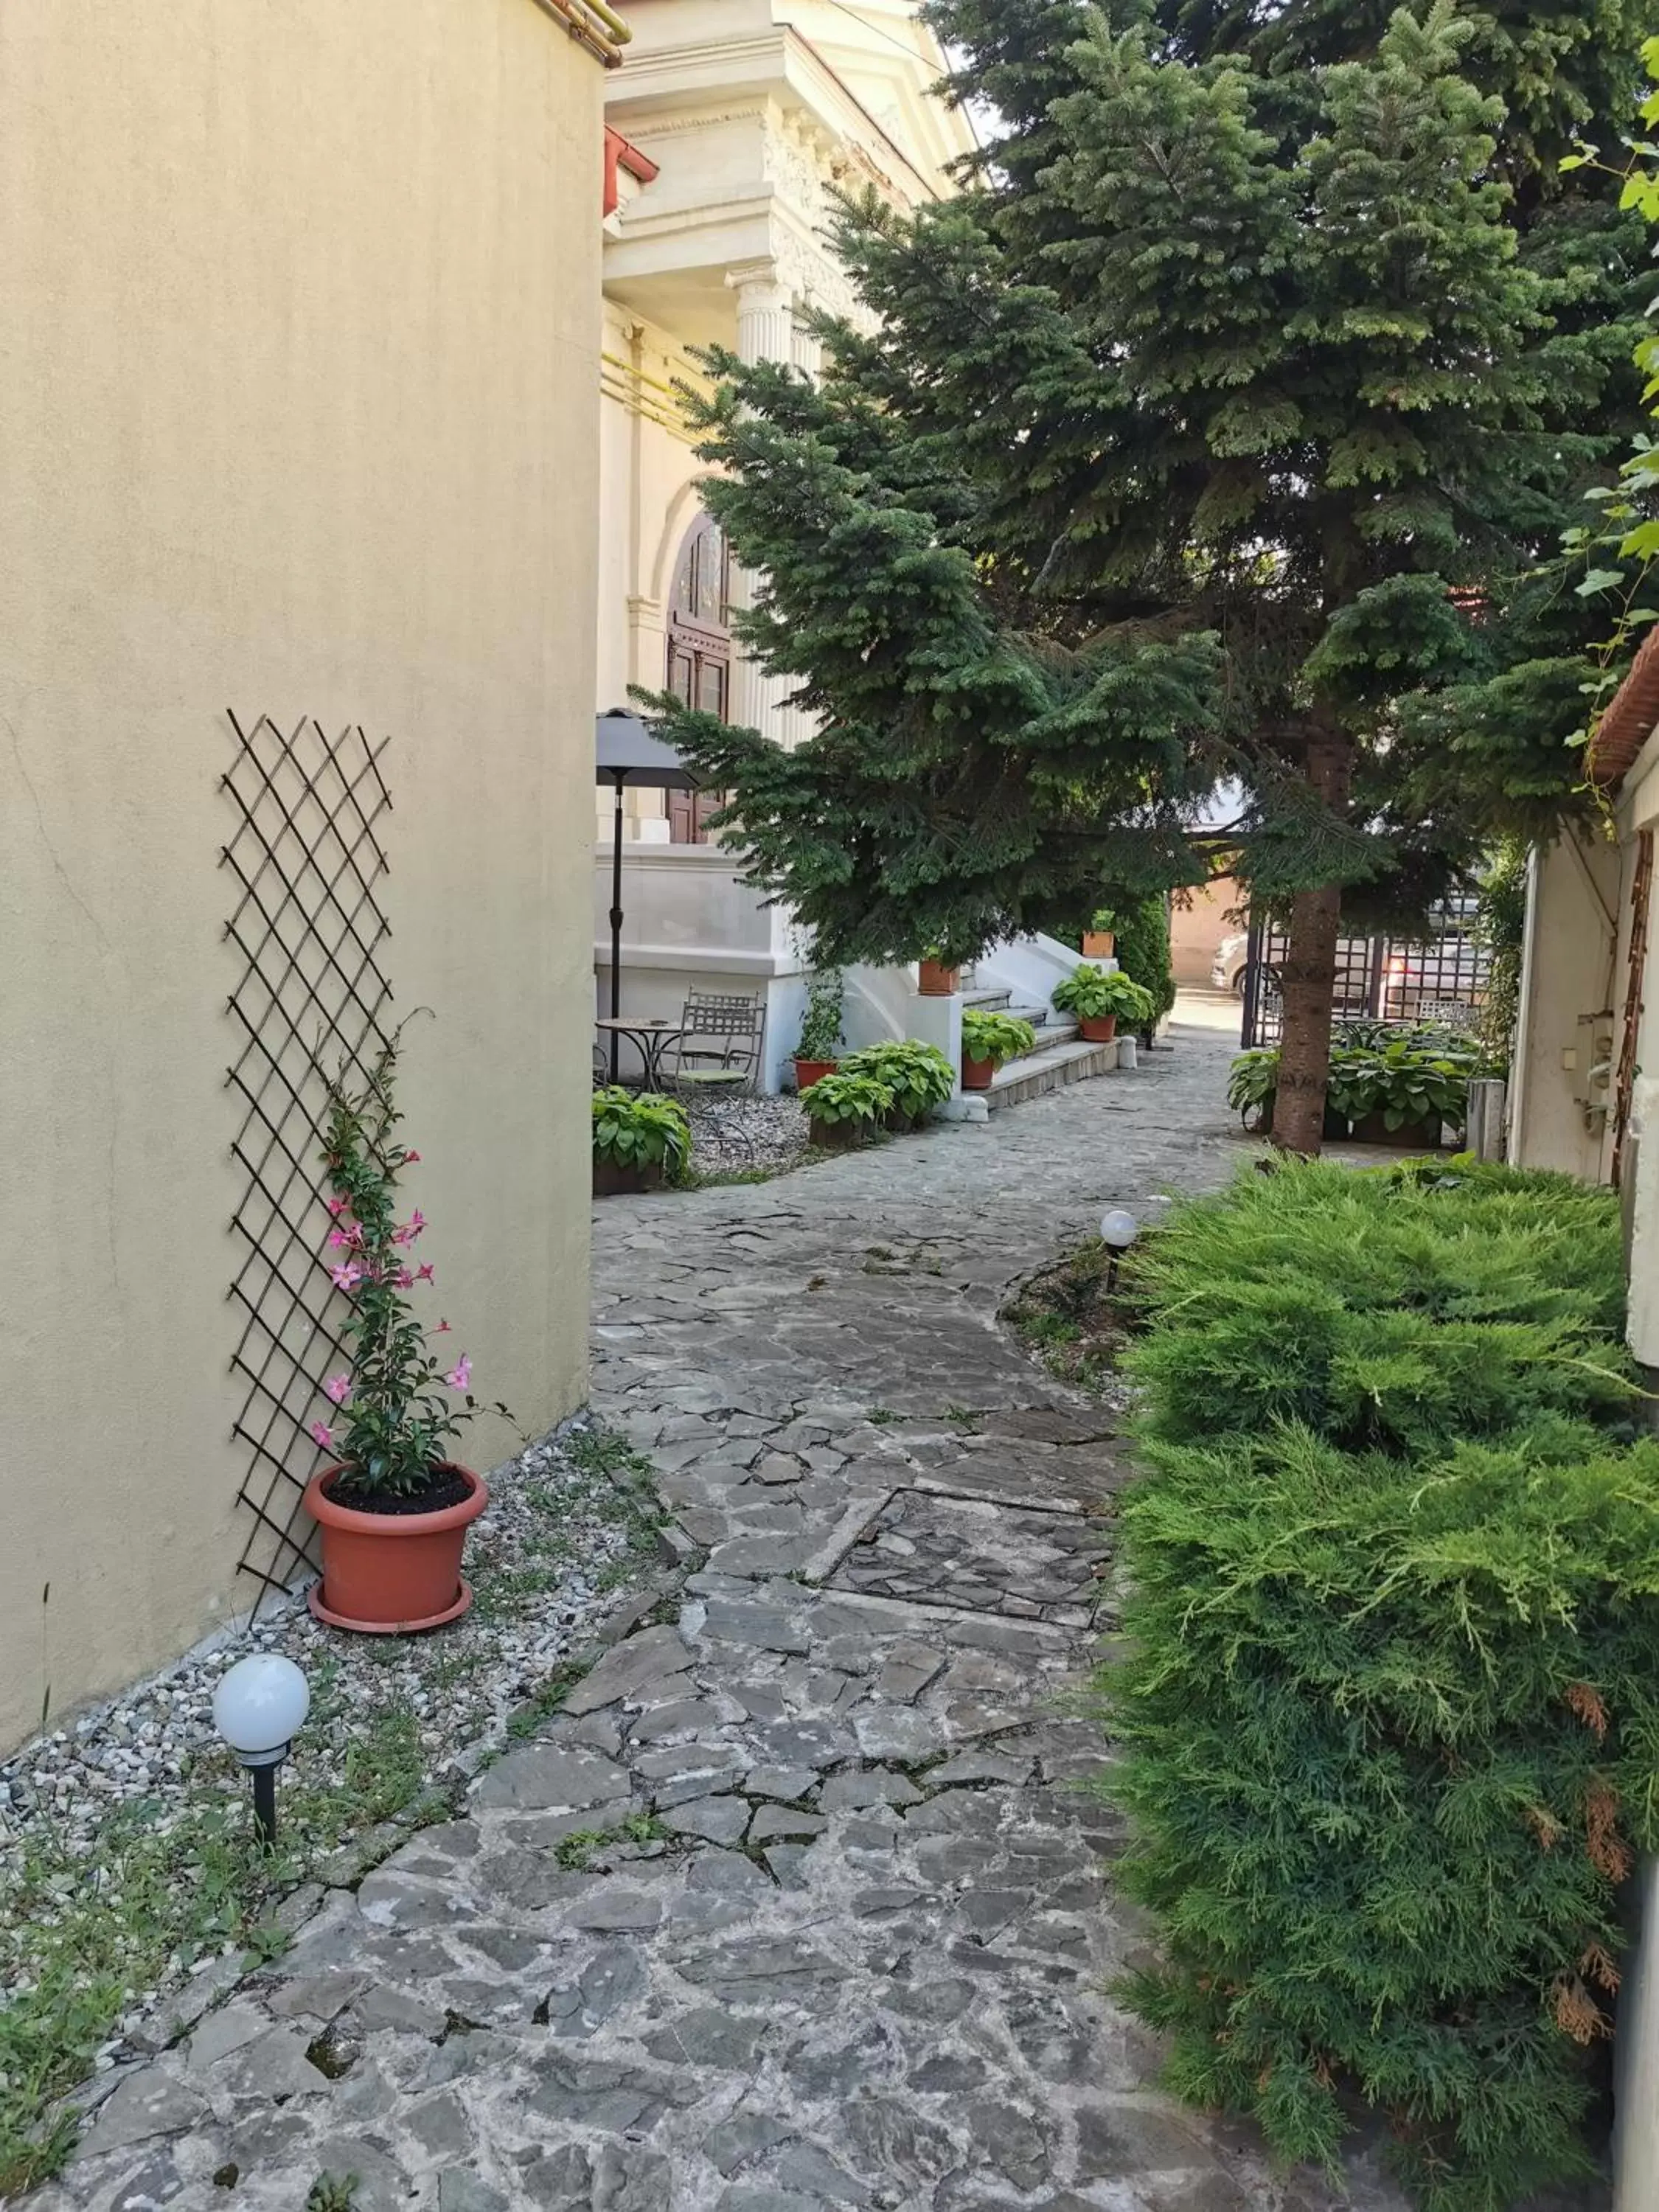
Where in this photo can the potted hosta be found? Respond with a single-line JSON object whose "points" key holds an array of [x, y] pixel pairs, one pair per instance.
{"points": [[641, 1140], [1101, 998], [988, 1040], [820, 1029], [393, 1509], [919, 1076], [1401, 1093], [844, 1109]]}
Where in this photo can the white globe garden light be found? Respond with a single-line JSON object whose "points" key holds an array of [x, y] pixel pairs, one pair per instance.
{"points": [[258, 1708], [1118, 1231]]}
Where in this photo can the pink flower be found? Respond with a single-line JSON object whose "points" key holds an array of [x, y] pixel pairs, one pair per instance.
{"points": [[460, 1375], [338, 1206], [323, 1435], [402, 1279], [348, 1239], [339, 1386], [411, 1230], [442, 1329], [423, 1273], [348, 1277], [409, 1158]]}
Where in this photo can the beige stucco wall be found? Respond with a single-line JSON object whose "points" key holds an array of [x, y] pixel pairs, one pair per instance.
{"points": [[1568, 970], [299, 337]]}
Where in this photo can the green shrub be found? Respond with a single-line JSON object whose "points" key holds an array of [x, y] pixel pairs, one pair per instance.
{"points": [[1092, 993], [1143, 952], [1405, 1309], [918, 1075], [847, 1097], [641, 1129], [1391, 1708], [994, 1036]]}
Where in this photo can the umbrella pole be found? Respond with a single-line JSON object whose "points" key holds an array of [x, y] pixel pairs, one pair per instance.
{"points": [[615, 921]]}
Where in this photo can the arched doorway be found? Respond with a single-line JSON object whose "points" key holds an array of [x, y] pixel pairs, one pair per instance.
{"points": [[699, 656]]}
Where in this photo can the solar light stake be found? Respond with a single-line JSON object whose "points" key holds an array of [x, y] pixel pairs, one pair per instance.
{"points": [[258, 1709], [1118, 1231]]}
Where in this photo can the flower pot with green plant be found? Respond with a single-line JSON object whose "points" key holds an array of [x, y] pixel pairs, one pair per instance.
{"points": [[1101, 998], [919, 1076], [844, 1109], [937, 977], [1401, 1092], [393, 1507], [1100, 936], [641, 1140], [820, 1029], [988, 1040]]}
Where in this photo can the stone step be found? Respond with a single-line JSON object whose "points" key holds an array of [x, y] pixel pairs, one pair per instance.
{"points": [[1050, 1067]]}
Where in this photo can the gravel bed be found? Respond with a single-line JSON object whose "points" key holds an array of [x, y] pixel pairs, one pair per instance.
{"points": [[571, 1526], [549, 1516], [731, 1134]]}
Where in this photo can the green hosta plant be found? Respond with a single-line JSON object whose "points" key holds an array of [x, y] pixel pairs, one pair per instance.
{"points": [[1401, 1081], [845, 1096], [1252, 1079], [994, 1036], [400, 1401], [820, 1029], [641, 1129], [1092, 994], [918, 1075]]}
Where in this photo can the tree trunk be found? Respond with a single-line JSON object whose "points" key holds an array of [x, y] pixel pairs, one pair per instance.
{"points": [[1309, 977]]}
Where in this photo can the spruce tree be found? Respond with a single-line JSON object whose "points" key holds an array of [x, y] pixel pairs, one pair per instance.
{"points": [[1196, 436]]}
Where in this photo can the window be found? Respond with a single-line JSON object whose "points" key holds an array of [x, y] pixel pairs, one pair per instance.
{"points": [[699, 656]]}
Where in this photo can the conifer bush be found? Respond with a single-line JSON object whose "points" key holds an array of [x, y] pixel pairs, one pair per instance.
{"points": [[1390, 1710]]}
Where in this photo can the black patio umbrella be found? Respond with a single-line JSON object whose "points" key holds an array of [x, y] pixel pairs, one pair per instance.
{"points": [[626, 752]]}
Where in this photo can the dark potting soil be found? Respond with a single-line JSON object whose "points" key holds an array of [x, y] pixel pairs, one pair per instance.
{"points": [[446, 1488]]}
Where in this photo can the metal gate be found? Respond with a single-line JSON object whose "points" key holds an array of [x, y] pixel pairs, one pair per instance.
{"points": [[1442, 975]]}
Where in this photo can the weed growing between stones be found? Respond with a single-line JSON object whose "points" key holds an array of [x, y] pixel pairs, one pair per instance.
{"points": [[577, 1852]]}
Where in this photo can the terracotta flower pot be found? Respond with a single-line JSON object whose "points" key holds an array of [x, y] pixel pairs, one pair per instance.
{"points": [[611, 1179], [389, 1574], [936, 981], [1098, 1028], [809, 1071], [1098, 944], [976, 1074]]}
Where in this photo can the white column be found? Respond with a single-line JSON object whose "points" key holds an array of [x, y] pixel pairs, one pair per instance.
{"points": [[766, 332]]}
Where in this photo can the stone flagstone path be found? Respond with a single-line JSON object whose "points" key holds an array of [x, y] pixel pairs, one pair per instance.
{"points": [[844, 1933]]}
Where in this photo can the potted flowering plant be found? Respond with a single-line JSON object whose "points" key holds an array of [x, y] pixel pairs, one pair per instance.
{"points": [[1101, 998], [989, 1039], [392, 1507]]}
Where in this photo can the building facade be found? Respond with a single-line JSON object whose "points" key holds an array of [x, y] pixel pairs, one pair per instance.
{"points": [[299, 433], [733, 122]]}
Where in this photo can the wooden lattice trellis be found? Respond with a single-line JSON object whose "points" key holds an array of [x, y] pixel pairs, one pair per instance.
{"points": [[312, 999]]}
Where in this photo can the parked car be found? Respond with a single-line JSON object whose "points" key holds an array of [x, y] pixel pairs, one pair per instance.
{"points": [[1231, 959]]}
